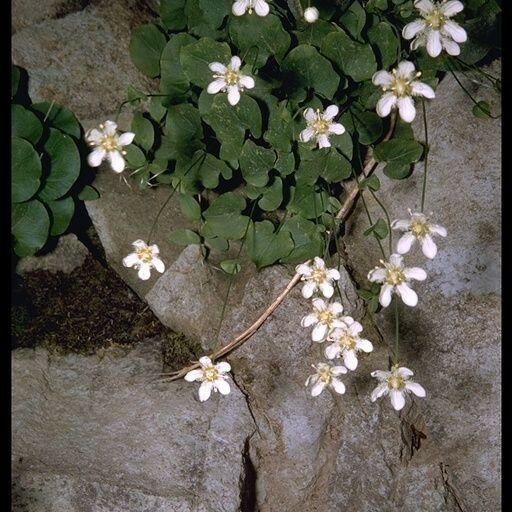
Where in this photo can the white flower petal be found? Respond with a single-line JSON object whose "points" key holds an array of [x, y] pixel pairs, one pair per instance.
{"points": [[330, 112], [378, 274], [94, 135], [222, 386], [380, 374], [451, 8], [116, 161], [336, 308], [385, 295], [319, 262], [159, 265], [308, 289], [422, 89], [216, 86], [333, 274], [246, 81], [397, 399], [144, 271], [411, 29], [437, 229], [425, 6], [380, 390], [205, 361], [95, 158], [336, 128], [364, 345], [140, 244], [261, 7], [355, 328], [317, 388], [309, 320], [405, 243], [338, 370], [350, 359], [404, 372], [402, 225], [303, 269], [434, 46], [326, 289], [451, 47], [131, 260], [233, 95], [455, 31], [310, 115], [415, 273], [323, 141], [193, 375], [416, 388], [235, 63], [205, 390], [382, 78], [338, 386], [319, 332], [126, 138], [223, 367], [406, 108], [428, 247], [406, 69], [319, 304], [110, 128], [332, 351], [385, 104], [408, 295], [307, 134], [396, 260], [218, 67], [239, 7]]}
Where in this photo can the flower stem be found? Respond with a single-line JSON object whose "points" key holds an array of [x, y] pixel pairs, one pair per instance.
{"points": [[427, 150], [397, 328], [388, 220]]}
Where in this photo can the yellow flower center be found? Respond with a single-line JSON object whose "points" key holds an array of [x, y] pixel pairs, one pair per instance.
{"points": [[325, 317], [110, 143], [394, 276], [320, 126], [318, 275], [144, 254], [435, 19], [210, 374], [419, 228], [325, 375], [396, 382], [231, 77], [347, 342]]}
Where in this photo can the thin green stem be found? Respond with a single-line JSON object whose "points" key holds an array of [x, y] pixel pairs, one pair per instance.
{"points": [[427, 151], [388, 220], [472, 67], [49, 110], [397, 328]]}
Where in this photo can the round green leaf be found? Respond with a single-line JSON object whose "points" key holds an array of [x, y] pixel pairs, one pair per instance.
{"points": [[215, 12], [402, 151], [172, 13], [30, 226], [231, 266], [144, 131], [88, 193], [272, 197], [307, 239], [184, 237], [265, 246], [25, 124], [59, 117], [62, 212], [385, 43], [134, 157], [146, 46], [64, 165], [190, 207], [25, 170], [255, 163], [173, 81]]}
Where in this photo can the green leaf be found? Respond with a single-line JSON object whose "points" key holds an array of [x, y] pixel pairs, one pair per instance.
{"points": [[59, 117], [272, 197], [231, 266], [215, 12], [307, 238], [172, 13], [173, 81], [190, 207], [199, 24], [379, 229], [219, 244], [64, 165], [307, 68], [354, 19], [25, 170], [146, 46], [196, 57], [260, 36], [30, 226], [61, 214], [25, 124], [314, 33], [15, 80], [224, 219], [134, 95], [144, 131], [135, 157], [385, 44], [88, 193], [354, 59], [328, 164], [156, 110], [184, 237], [201, 167], [367, 124], [264, 246], [280, 127], [285, 163], [397, 170], [255, 163], [307, 201], [373, 183], [403, 151], [482, 110]]}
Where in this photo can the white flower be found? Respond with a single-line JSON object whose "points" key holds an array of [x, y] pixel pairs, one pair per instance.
{"points": [[311, 14], [240, 7], [325, 318], [320, 125], [212, 377], [397, 384], [317, 277], [418, 228], [228, 78], [395, 279], [435, 29], [108, 145], [144, 259], [399, 87], [347, 343], [326, 376]]}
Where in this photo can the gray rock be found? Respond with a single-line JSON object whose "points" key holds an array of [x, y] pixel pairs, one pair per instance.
{"points": [[452, 338], [69, 254], [103, 435]]}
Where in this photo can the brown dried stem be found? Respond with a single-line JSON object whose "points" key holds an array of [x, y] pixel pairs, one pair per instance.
{"points": [[351, 195]]}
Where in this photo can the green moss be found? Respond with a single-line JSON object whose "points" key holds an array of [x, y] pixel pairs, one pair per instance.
{"points": [[178, 350]]}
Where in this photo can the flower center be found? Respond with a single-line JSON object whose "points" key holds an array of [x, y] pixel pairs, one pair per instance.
{"points": [[231, 77], [210, 374], [320, 126], [394, 276], [145, 255], [419, 228], [325, 317], [435, 19], [347, 342], [318, 275], [395, 382], [401, 86], [110, 143], [325, 375]]}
